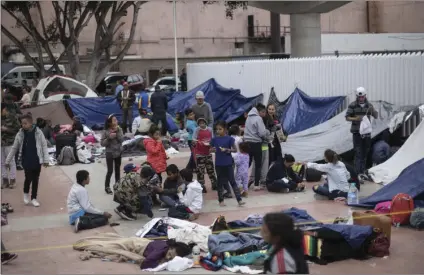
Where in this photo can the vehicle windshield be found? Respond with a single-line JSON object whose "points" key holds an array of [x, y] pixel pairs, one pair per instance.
{"points": [[64, 86]]}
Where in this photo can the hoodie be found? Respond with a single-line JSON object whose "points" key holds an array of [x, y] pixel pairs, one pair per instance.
{"points": [[193, 197], [255, 130]]}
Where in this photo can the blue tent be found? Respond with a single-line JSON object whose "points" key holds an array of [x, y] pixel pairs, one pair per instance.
{"points": [[410, 181], [227, 104], [303, 112], [95, 110]]}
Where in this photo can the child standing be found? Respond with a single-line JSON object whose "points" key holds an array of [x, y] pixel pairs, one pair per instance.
{"points": [[224, 145], [202, 137], [156, 154], [241, 160], [9, 128], [191, 126], [32, 148], [286, 252], [112, 139], [235, 133]]}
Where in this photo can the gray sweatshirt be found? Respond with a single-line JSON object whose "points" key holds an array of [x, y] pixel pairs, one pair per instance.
{"points": [[255, 130], [204, 110], [113, 145], [78, 200]]}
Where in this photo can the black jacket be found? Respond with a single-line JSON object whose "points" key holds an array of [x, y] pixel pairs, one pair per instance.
{"points": [[277, 171], [159, 103], [170, 187]]}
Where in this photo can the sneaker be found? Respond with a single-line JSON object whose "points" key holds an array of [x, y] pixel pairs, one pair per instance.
{"points": [[5, 183], [257, 188], [108, 191], [35, 203], [76, 225], [12, 183], [124, 215], [26, 198], [204, 191], [8, 257], [245, 194], [241, 203], [222, 204], [119, 212], [130, 216]]}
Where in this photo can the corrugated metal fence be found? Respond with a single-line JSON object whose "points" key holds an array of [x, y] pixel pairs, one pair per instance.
{"points": [[395, 78]]}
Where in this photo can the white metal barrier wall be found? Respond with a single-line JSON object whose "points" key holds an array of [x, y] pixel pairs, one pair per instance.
{"points": [[395, 78]]}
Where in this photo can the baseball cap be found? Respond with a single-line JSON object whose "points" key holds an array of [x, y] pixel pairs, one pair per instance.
{"points": [[200, 94], [131, 167], [360, 91]]}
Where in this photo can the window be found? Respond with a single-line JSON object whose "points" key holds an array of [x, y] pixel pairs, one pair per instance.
{"points": [[130, 79], [114, 79], [64, 86], [11, 76], [167, 82], [30, 75], [239, 45]]}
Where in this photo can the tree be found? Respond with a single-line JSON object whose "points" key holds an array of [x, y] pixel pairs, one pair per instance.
{"points": [[230, 6], [69, 19]]}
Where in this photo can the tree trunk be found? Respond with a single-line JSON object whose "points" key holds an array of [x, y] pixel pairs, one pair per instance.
{"points": [[73, 61], [93, 69]]}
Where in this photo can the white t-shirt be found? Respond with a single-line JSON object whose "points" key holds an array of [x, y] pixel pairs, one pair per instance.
{"points": [[337, 175], [237, 141], [26, 99]]}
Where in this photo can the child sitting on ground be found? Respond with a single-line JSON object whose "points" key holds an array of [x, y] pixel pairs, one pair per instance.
{"points": [[141, 124], [169, 193], [82, 214], [191, 202], [241, 160]]}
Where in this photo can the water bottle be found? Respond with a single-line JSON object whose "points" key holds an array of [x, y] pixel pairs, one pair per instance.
{"points": [[196, 255], [352, 196]]}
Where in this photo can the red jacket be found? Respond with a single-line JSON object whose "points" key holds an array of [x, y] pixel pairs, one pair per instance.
{"points": [[156, 154]]}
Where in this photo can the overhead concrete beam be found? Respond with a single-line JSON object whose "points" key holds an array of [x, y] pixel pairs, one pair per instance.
{"points": [[297, 7]]}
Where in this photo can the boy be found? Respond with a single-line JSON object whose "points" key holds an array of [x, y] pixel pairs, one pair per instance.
{"points": [[141, 124], [169, 194], [202, 137], [191, 126], [9, 128], [82, 213], [32, 148], [191, 201]]}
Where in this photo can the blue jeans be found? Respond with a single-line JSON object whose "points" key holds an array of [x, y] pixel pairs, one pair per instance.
{"points": [[170, 201], [324, 191], [361, 147]]}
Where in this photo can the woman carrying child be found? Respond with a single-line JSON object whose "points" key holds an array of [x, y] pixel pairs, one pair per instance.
{"points": [[112, 139], [223, 145]]}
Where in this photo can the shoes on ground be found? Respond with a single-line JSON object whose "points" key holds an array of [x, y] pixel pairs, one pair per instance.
{"points": [[8, 257]]}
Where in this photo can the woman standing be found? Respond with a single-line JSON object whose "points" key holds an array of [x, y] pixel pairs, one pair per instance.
{"points": [[272, 123], [112, 139]]}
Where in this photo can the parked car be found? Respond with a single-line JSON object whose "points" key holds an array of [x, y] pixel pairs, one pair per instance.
{"points": [[165, 83], [16, 75], [109, 83]]}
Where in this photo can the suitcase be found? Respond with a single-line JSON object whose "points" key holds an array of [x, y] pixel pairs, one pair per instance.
{"points": [[382, 222], [66, 139]]}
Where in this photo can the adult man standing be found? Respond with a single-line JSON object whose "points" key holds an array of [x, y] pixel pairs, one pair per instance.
{"points": [[183, 80], [126, 99], [159, 107], [255, 133], [202, 109], [361, 143]]}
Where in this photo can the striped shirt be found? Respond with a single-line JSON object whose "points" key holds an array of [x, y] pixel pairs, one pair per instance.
{"points": [[355, 109]]}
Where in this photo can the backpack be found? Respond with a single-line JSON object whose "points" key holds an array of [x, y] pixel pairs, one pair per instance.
{"points": [[66, 156], [383, 207], [417, 218], [401, 209]]}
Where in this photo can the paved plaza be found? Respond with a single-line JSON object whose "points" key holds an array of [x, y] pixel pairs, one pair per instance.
{"points": [[43, 239]]}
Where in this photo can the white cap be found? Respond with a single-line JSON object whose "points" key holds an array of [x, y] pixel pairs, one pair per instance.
{"points": [[360, 91], [200, 94]]}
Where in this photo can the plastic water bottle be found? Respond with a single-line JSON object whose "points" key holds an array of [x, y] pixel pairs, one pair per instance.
{"points": [[352, 196], [196, 255]]}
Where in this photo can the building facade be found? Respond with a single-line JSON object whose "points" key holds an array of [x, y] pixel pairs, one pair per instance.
{"points": [[205, 34]]}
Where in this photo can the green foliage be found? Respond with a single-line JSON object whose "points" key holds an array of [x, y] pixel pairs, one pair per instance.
{"points": [[230, 6]]}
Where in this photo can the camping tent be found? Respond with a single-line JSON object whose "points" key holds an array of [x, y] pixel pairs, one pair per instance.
{"points": [[227, 104], [410, 152], [53, 111], [310, 144]]}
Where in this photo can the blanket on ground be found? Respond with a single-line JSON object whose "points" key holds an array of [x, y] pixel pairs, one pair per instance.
{"points": [[113, 247]]}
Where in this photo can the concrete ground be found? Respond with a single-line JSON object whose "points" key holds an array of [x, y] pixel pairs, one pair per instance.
{"points": [[43, 239]]}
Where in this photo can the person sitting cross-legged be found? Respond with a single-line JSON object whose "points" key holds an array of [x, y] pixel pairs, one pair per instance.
{"points": [[82, 214], [282, 178]]}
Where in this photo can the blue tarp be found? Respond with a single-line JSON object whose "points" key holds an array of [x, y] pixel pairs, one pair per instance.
{"points": [[303, 112], [227, 104], [410, 181], [95, 110]]}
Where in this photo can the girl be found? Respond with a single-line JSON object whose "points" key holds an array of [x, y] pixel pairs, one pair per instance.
{"points": [[191, 126], [223, 146], [286, 252], [241, 160], [112, 139], [235, 133], [337, 185], [273, 123], [156, 154], [202, 138]]}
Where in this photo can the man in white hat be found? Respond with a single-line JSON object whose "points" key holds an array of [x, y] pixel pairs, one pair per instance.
{"points": [[202, 109], [361, 143]]}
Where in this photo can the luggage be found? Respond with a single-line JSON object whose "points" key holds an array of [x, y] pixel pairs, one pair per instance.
{"points": [[381, 222], [417, 218], [401, 208], [66, 156], [66, 139]]}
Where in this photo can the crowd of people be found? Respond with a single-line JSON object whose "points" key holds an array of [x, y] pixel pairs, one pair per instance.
{"points": [[256, 144]]}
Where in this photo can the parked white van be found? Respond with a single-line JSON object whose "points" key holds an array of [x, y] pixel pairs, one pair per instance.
{"points": [[16, 75]]}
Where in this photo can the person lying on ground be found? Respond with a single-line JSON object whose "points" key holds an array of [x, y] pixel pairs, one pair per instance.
{"points": [[191, 202], [169, 193], [142, 123], [6, 257], [281, 178], [337, 185], [82, 214], [286, 252]]}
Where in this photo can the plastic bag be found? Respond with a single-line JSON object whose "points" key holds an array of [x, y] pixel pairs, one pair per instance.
{"points": [[365, 128]]}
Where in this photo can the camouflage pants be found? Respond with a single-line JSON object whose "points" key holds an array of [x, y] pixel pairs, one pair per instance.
{"points": [[205, 163]]}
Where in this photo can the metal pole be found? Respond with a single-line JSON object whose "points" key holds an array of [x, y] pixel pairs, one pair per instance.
{"points": [[175, 46]]}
